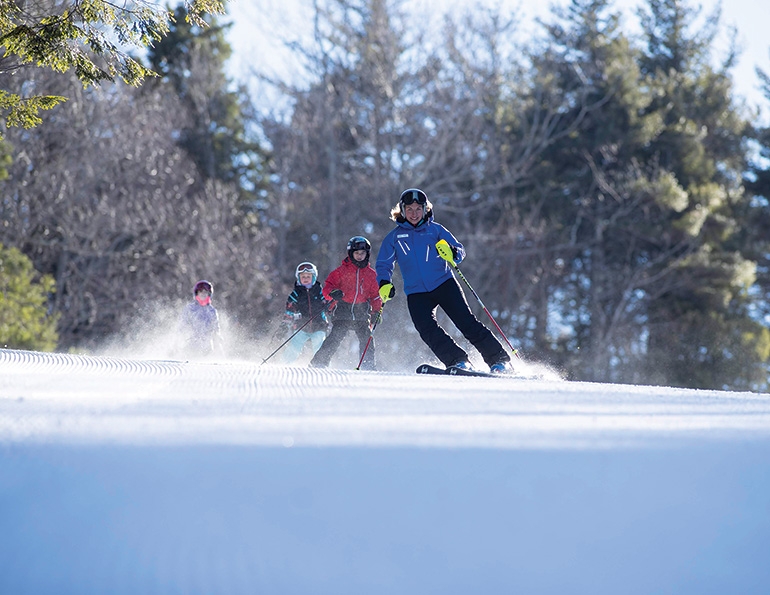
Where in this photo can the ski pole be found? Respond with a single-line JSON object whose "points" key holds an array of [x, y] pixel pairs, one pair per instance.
{"points": [[371, 336], [294, 334], [440, 246]]}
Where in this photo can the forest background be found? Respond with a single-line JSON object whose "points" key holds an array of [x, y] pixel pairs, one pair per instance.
{"points": [[611, 188]]}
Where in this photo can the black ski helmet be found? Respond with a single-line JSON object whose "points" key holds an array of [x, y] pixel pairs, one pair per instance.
{"points": [[412, 195], [359, 243], [203, 285]]}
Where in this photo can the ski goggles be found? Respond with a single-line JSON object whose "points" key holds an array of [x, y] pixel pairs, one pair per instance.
{"points": [[413, 195], [306, 267]]}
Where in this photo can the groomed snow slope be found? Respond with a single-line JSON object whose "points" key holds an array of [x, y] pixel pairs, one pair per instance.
{"points": [[132, 476]]}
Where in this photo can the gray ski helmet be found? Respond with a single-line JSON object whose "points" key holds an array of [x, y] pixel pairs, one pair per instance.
{"points": [[306, 267], [203, 285], [412, 195], [359, 243]]}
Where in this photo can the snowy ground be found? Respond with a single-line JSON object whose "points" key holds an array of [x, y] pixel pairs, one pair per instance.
{"points": [[147, 476]]}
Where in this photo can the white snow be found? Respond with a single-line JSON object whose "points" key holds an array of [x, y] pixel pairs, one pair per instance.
{"points": [[135, 476]]}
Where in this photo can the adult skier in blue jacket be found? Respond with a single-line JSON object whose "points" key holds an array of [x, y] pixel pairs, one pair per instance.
{"points": [[429, 283]]}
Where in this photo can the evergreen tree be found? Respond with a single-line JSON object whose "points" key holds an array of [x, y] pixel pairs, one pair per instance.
{"points": [[87, 38], [707, 300], [602, 226], [758, 182], [5, 159], [213, 130], [25, 322], [640, 203], [756, 211]]}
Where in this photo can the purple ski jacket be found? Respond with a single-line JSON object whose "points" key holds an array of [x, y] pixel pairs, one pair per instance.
{"points": [[199, 326]]}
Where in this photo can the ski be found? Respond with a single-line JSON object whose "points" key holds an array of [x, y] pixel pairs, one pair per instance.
{"points": [[428, 369]]}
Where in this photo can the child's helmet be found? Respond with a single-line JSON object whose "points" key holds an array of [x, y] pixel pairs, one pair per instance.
{"points": [[359, 243], [203, 285], [306, 267]]}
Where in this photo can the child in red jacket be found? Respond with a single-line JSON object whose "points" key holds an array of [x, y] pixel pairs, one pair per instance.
{"points": [[353, 285]]}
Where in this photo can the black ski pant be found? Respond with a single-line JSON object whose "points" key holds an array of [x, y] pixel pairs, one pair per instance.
{"points": [[449, 295], [340, 329]]}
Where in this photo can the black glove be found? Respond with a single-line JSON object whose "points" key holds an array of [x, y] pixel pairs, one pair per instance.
{"points": [[336, 294]]}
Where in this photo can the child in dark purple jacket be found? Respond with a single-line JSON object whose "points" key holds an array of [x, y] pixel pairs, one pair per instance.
{"points": [[199, 323]]}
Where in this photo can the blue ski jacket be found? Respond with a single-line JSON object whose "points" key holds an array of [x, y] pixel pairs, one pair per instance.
{"points": [[414, 248]]}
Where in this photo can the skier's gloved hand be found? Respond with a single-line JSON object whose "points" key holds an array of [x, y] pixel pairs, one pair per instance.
{"points": [[447, 252], [387, 291], [336, 294]]}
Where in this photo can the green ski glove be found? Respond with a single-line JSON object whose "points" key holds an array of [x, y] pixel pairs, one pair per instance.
{"points": [[387, 291], [446, 252]]}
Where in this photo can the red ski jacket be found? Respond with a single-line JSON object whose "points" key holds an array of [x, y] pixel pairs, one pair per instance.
{"points": [[358, 285]]}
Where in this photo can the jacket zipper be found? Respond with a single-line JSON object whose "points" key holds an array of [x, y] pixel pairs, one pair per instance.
{"points": [[355, 297]]}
